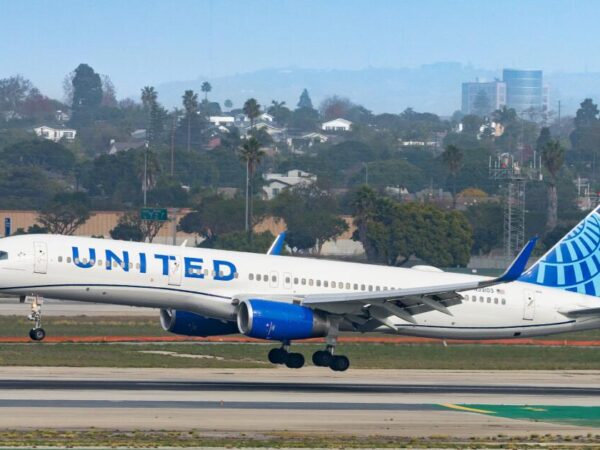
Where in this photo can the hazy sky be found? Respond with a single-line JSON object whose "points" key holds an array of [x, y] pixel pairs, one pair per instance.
{"points": [[139, 42]]}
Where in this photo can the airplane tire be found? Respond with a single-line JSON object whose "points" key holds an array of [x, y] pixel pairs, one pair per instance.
{"points": [[340, 363], [294, 360], [322, 358], [277, 356], [37, 334]]}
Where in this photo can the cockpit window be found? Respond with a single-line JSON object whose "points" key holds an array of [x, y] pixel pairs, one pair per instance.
{"points": [[3, 255]]}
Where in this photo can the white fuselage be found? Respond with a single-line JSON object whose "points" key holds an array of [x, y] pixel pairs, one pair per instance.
{"points": [[208, 282]]}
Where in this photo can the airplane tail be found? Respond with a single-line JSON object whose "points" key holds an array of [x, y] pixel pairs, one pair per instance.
{"points": [[573, 264]]}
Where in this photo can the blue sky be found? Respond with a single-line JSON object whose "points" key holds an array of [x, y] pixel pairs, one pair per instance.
{"points": [[149, 42]]}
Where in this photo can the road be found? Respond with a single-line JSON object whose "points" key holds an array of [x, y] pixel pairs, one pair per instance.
{"points": [[358, 402]]}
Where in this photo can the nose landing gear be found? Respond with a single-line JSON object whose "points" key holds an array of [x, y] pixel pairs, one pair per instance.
{"points": [[37, 333]]}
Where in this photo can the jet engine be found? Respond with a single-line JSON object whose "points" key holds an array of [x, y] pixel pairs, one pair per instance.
{"points": [[265, 319], [190, 324]]}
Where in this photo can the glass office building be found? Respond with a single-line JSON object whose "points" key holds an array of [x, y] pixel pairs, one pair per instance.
{"points": [[524, 90]]}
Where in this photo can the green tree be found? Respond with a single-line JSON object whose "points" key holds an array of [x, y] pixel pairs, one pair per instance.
{"points": [[228, 104], [13, 92], [311, 217], [128, 228], [190, 105], [453, 160], [156, 114], [206, 88], [149, 97], [487, 228], [238, 241], [393, 232], [87, 95], [280, 112], [553, 158], [544, 138], [305, 101], [251, 155], [585, 138], [252, 110], [66, 213]]}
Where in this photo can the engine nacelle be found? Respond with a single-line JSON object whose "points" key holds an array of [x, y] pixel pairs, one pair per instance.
{"points": [[190, 324], [265, 319]]}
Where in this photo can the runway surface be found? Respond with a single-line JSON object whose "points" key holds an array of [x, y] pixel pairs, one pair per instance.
{"points": [[312, 400]]}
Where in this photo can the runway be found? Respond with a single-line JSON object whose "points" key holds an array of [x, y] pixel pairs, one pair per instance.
{"points": [[312, 400]]}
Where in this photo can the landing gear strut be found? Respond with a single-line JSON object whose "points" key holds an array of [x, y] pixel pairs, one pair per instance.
{"points": [[283, 356], [37, 333]]}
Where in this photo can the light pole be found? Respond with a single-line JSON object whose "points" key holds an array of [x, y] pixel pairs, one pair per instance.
{"points": [[247, 195]]}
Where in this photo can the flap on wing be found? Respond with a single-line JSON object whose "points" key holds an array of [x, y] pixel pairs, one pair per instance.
{"points": [[584, 312]]}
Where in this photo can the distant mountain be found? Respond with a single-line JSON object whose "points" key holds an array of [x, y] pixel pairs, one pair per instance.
{"points": [[433, 87]]}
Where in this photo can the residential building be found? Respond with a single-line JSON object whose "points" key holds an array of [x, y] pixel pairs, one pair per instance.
{"points": [[297, 142], [276, 182], [337, 125], [482, 98], [116, 147], [227, 121], [266, 117], [525, 90], [55, 134]]}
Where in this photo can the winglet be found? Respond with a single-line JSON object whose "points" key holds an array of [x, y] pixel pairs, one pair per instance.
{"points": [[517, 267], [277, 245]]}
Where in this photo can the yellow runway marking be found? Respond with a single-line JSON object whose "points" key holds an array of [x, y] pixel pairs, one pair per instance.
{"points": [[464, 408]]}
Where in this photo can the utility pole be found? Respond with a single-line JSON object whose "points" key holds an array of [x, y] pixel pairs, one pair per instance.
{"points": [[367, 174], [559, 128], [145, 172], [247, 195], [173, 143]]}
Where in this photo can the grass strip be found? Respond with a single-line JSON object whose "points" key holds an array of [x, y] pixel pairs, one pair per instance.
{"points": [[364, 356], [193, 438]]}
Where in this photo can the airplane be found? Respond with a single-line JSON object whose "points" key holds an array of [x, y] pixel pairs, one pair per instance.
{"points": [[207, 292]]}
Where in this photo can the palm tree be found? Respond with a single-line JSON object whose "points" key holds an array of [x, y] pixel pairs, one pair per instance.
{"points": [[453, 160], [252, 110], [251, 154], [190, 104], [228, 104], [149, 96], [206, 88], [553, 158]]}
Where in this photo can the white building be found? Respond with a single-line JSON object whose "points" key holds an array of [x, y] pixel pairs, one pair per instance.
{"points": [[337, 125], [276, 182], [218, 121], [55, 134], [266, 117]]}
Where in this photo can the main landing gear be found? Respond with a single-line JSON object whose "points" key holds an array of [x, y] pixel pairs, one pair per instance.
{"points": [[283, 356], [321, 358], [37, 333], [326, 358]]}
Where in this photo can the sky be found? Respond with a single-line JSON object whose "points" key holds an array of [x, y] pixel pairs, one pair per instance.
{"points": [[148, 42]]}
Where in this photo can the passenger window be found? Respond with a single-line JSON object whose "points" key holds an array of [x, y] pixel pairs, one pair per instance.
{"points": [[310, 282], [303, 281], [347, 285], [362, 287], [489, 299], [474, 298], [273, 278], [68, 259], [137, 266], [295, 280], [6, 257], [266, 278], [377, 288], [318, 283], [326, 283], [355, 287], [251, 276], [333, 284], [287, 280], [100, 262], [370, 287], [385, 288], [504, 301], [258, 277], [76, 260], [480, 299], [235, 275], [495, 301]]}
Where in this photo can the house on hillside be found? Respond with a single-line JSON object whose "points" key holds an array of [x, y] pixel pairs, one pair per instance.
{"points": [[116, 147], [55, 134], [276, 182], [225, 121], [298, 142], [337, 125]]}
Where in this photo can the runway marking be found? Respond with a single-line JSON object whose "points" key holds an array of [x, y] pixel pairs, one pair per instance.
{"points": [[465, 408]]}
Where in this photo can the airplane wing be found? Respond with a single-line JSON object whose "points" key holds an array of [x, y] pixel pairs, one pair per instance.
{"points": [[404, 303]]}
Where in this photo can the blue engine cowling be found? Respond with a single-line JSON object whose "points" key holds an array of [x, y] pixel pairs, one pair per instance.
{"points": [[264, 319], [190, 324]]}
